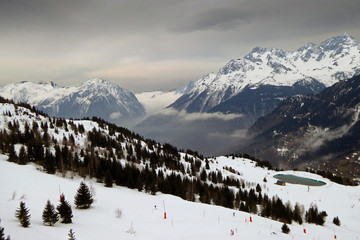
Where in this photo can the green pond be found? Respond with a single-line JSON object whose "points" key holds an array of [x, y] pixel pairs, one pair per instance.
{"points": [[299, 180]]}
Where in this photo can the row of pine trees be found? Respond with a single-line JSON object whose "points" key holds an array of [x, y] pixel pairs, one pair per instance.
{"points": [[83, 200]]}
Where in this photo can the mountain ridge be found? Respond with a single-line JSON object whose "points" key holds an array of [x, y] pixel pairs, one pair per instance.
{"points": [[335, 59], [94, 97], [313, 130]]}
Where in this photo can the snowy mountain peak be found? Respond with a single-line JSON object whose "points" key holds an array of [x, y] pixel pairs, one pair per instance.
{"points": [[338, 42], [96, 81], [335, 59], [101, 87], [306, 47], [51, 83]]}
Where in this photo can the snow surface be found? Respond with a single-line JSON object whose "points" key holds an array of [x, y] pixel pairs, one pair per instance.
{"points": [[156, 101], [185, 220]]}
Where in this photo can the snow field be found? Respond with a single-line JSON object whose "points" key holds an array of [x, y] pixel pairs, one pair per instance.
{"points": [[185, 220]]}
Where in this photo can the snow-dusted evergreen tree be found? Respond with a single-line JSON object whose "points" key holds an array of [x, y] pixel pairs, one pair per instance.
{"points": [[71, 235], [64, 210], [22, 214], [2, 234], [83, 197], [49, 216]]}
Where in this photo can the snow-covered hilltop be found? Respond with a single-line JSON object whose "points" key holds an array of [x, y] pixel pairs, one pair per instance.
{"points": [[335, 59], [95, 97]]}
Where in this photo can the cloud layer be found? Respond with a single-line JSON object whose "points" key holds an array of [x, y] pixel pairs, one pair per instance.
{"points": [[147, 45]]}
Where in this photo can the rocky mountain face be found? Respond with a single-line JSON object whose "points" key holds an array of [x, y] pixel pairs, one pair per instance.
{"points": [[319, 130], [255, 85], [96, 97]]}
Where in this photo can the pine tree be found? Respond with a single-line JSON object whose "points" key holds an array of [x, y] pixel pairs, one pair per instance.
{"points": [[258, 188], [313, 216], [49, 215], [2, 234], [49, 162], [285, 229], [83, 197], [23, 158], [64, 210], [12, 154], [108, 179], [22, 214], [203, 175], [336, 221], [298, 213], [71, 235]]}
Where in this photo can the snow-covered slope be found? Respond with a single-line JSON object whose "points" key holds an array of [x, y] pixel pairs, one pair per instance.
{"points": [[185, 220], [335, 59], [95, 97]]}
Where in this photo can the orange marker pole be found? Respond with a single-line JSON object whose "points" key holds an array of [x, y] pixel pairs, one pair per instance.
{"points": [[164, 210]]}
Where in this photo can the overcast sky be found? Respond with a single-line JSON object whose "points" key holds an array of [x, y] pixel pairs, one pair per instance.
{"points": [[147, 45]]}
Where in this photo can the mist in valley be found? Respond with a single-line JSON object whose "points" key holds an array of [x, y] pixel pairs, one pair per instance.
{"points": [[209, 134]]}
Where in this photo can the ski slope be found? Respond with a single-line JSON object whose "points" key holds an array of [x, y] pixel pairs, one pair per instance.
{"points": [[185, 220]]}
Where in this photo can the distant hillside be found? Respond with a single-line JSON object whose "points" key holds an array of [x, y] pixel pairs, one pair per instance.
{"points": [[320, 131]]}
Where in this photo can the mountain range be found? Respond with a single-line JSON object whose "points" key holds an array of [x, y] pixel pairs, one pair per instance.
{"points": [[250, 87], [95, 97], [256, 84]]}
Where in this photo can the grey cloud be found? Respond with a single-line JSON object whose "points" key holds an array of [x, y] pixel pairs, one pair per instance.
{"points": [[214, 19], [71, 40], [184, 116]]}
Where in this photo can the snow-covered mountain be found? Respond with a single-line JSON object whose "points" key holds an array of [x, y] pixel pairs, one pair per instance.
{"points": [[95, 97], [307, 70]]}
